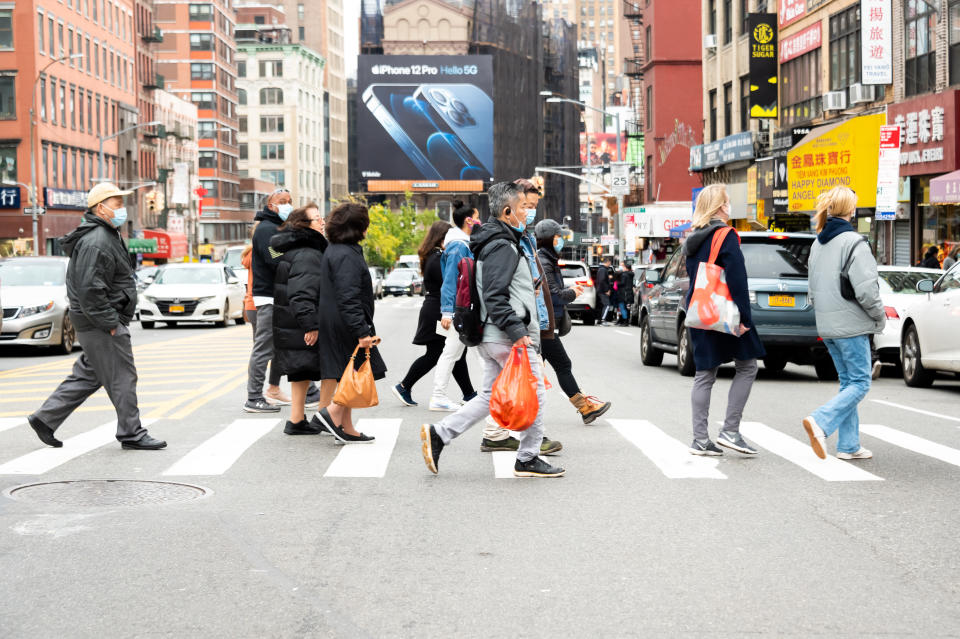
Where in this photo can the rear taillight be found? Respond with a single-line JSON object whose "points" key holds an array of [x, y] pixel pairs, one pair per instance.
{"points": [[585, 282], [778, 237], [891, 312], [649, 285]]}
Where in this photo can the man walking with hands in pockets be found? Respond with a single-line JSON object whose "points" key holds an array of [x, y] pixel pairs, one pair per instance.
{"points": [[505, 285]]}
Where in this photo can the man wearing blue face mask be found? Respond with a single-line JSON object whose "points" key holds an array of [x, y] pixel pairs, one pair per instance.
{"points": [[103, 297]]}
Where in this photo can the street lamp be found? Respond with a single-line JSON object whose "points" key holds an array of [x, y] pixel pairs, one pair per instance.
{"points": [[33, 145], [118, 133]]}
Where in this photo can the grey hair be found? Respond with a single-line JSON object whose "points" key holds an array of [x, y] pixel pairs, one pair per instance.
{"points": [[269, 196], [502, 195]]}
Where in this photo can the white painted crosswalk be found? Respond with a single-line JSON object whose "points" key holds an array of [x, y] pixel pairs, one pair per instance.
{"points": [[670, 455], [367, 460], [913, 443], [6, 423], [216, 455]]}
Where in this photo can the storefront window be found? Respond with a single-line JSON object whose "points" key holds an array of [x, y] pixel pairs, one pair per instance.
{"points": [[940, 228], [920, 34], [801, 88]]}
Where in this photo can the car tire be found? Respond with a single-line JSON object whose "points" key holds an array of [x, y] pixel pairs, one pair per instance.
{"points": [[685, 364], [147, 324], [775, 364], [68, 336], [410, 294], [241, 319], [226, 316], [914, 374], [826, 371], [650, 355], [588, 317]]}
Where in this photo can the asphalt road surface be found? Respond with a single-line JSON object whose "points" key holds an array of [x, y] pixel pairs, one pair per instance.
{"points": [[298, 537]]}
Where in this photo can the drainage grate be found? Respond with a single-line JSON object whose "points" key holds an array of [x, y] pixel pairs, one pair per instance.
{"points": [[105, 492]]}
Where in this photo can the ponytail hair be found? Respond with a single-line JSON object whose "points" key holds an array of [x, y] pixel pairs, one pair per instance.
{"points": [[839, 201]]}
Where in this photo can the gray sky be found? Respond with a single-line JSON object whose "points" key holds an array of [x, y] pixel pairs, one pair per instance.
{"points": [[351, 36]]}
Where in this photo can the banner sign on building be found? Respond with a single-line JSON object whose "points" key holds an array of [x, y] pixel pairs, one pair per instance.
{"points": [[764, 87], [791, 11], [10, 197], [425, 117], [657, 220], [876, 42], [799, 43], [927, 133], [732, 148], [65, 199], [888, 173], [181, 183]]}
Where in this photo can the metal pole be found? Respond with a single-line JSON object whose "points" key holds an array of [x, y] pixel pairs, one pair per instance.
{"points": [[620, 225], [33, 172]]}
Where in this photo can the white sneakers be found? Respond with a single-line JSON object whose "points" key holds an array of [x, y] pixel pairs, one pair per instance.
{"points": [[817, 438], [863, 453], [444, 404]]}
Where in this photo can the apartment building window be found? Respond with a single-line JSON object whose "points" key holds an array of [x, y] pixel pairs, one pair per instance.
{"points": [[70, 45], [277, 177], [204, 100], [51, 42], [744, 103], [920, 70], [62, 50], [55, 166], [211, 187], [800, 88], [43, 99], [845, 49], [8, 96], [87, 56], [201, 42], [90, 112], [94, 10], [727, 21], [99, 122], [954, 41], [241, 69], [744, 16], [201, 12], [73, 107], [242, 96], [271, 95], [207, 160], [271, 68], [712, 17], [728, 109], [242, 124], [647, 44], [649, 107], [713, 114], [271, 124], [272, 151], [40, 45], [201, 71], [300, 12], [243, 151], [63, 104], [6, 29], [80, 110], [301, 33]]}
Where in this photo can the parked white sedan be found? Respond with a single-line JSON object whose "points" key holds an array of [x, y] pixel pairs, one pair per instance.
{"points": [[930, 339], [898, 290], [193, 293]]}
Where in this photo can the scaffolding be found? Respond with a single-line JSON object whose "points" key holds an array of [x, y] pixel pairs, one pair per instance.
{"points": [[633, 69]]}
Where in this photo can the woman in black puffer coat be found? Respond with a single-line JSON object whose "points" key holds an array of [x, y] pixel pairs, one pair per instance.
{"points": [[296, 318]]}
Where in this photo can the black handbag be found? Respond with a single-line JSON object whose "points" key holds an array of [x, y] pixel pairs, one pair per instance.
{"points": [[565, 324], [846, 288]]}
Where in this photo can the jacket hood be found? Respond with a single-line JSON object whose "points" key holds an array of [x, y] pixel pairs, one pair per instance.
{"points": [[696, 239], [834, 227], [455, 235], [492, 230], [289, 239], [547, 253], [267, 214], [90, 222]]}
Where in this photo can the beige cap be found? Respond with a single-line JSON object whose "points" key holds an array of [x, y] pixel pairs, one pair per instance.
{"points": [[103, 191]]}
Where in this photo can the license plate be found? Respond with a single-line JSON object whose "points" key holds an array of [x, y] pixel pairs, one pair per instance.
{"points": [[177, 309], [782, 300]]}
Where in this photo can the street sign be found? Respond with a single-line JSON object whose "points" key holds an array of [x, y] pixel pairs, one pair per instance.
{"points": [[620, 178], [608, 240], [30, 211], [589, 240]]}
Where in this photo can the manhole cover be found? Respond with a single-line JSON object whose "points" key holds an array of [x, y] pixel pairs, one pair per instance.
{"points": [[105, 492]]}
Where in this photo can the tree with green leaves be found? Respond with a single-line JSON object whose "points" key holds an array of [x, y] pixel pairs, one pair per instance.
{"points": [[395, 233]]}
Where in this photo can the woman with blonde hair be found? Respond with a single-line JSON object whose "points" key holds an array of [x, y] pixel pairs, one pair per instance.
{"points": [[847, 314], [712, 348]]}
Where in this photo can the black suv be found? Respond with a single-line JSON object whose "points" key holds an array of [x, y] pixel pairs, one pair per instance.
{"points": [[783, 316]]}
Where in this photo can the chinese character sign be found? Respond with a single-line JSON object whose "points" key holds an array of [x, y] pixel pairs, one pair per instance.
{"points": [[763, 65], [791, 11], [876, 42], [888, 172]]}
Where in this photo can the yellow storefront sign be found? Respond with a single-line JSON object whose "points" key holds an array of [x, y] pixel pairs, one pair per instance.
{"points": [[845, 154]]}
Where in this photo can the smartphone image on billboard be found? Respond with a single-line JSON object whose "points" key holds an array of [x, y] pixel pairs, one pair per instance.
{"points": [[467, 112], [381, 100]]}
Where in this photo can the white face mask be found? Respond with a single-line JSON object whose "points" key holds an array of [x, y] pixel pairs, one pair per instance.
{"points": [[284, 211]]}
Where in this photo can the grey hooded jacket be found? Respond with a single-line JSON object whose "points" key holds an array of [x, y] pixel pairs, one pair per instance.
{"points": [[837, 317]]}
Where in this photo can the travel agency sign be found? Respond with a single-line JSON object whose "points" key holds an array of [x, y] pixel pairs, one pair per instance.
{"points": [[927, 133]]}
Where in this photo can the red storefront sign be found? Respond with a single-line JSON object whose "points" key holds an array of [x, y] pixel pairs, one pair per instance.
{"points": [[170, 246], [799, 43], [791, 11], [928, 129]]}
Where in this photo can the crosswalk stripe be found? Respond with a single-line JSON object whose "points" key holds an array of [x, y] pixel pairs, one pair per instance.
{"points": [[912, 442], [916, 410], [503, 462], [800, 453], [216, 455], [367, 460], [6, 423], [672, 457], [45, 459]]}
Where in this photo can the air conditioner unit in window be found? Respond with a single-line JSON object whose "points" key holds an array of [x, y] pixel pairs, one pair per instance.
{"points": [[835, 101], [710, 41], [860, 93]]}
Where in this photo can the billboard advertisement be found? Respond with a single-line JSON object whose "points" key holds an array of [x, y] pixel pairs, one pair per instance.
{"points": [[601, 148], [425, 117], [763, 65]]}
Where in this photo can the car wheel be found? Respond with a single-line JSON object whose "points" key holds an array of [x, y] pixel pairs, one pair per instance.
{"points": [[826, 371], [685, 363], [145, 324], [914, 374], [588, 317], [775, 364], [241, 318], [68, 336], [650, 355], [226, 314]]}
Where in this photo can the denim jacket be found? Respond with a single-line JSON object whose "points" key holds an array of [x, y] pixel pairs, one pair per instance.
{"points": [[456, 246], [530, 252]]}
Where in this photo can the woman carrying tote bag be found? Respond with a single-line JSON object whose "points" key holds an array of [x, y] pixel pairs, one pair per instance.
{"points": [[346, 316], [845, 319], [712, 348]]}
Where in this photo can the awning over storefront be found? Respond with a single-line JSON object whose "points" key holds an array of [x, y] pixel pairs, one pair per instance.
{"points": [[170, 246], [945, 189]]}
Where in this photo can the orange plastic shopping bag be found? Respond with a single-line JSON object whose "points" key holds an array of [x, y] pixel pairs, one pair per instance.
{"points": [[513, 401], [711, 306]]}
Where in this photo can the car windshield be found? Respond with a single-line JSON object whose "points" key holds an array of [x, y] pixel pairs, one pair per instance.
{"points": [[777, 258], [189, 276], [572, 270], [400, 277], [373, 273], [903, 282], [232, 258], [32, 273]]}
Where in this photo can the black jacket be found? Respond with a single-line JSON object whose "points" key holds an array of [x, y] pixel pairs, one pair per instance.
{"points": [[430, 311], [498, 247], [551, 272], [296, 299], [346, 310], [625, 286], [264, 265], [603, 280], [100, 282]]}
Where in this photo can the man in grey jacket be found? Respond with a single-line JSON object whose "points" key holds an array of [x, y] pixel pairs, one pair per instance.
{"points": [[103, 297], [844, 324], [505, 285]]}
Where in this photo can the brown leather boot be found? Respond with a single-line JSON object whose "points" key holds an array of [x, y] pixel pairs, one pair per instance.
{"points": [[590, 408]]}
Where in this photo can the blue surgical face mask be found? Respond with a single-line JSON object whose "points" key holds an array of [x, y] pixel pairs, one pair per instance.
{"points": [[558, 244], [519, 228], [531, 216], [284, 211], [119, 216]]}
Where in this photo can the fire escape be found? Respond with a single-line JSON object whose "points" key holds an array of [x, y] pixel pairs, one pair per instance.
{"points": [[633, 12]]}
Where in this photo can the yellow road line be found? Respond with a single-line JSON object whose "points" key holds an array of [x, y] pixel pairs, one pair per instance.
{"points": [[220, 392], [36, 385], [86, 408], [98, 395], [209, 390]]}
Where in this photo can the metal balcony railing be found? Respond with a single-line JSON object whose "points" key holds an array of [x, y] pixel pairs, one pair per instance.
{"points": [[157, 81], [155, 36], [634, 66]]}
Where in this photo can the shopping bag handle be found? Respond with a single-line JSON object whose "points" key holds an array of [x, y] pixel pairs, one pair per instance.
{"points": [[717, 243]]}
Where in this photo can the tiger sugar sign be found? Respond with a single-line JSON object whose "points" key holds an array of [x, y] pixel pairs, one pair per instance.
{"points": [[845, 154]]}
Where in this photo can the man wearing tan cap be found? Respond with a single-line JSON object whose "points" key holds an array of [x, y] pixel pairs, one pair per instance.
{"points": [[103, 297]]}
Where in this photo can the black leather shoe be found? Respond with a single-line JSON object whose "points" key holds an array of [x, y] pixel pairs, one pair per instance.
{"points": [[145, 443], [300, 428], [44, 432], [317, 423]]}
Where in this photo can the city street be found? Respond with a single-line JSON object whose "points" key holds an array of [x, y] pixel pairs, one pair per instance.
{"points": [[298, 537]]}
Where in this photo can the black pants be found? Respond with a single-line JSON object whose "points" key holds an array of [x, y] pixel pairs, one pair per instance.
{"points": [[425, 363], [556, 354]]}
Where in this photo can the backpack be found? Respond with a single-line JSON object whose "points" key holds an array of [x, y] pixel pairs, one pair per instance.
{"points": [[466, 305]]}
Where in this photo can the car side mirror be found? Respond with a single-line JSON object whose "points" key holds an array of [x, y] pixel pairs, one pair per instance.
{"points": [[150, 279], [925, 286], [652, 277], [233, 280]]}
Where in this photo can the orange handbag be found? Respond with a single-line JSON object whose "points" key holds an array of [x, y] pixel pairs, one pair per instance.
{"points": [[357, 388], [513, 400], [711, 307]]}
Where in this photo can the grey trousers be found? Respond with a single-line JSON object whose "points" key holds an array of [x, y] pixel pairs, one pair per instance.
{"points": [[736, 399], [106, 361], [274, 377], [494, 357], [262, 352]]}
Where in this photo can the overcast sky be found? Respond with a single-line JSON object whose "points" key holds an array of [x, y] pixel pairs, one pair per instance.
{"points": [[351, 36]]}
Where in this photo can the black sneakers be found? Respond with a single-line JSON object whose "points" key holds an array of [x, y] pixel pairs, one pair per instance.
{"points": [[260, 406], [44, 432], [302, 427], [144, 443], [536, 467], [705, 447], [432, 447]]}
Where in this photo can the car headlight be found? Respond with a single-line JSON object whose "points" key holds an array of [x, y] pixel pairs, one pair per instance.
{"points": [[205, 298], [150, 298], [33, 310]]}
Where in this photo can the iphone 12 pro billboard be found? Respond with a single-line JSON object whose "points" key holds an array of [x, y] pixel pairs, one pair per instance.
{"points": [[425, 117]]}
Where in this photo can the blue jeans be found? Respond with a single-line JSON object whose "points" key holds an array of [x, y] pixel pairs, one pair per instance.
{"points": [[851, 356], [624, 314]]}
